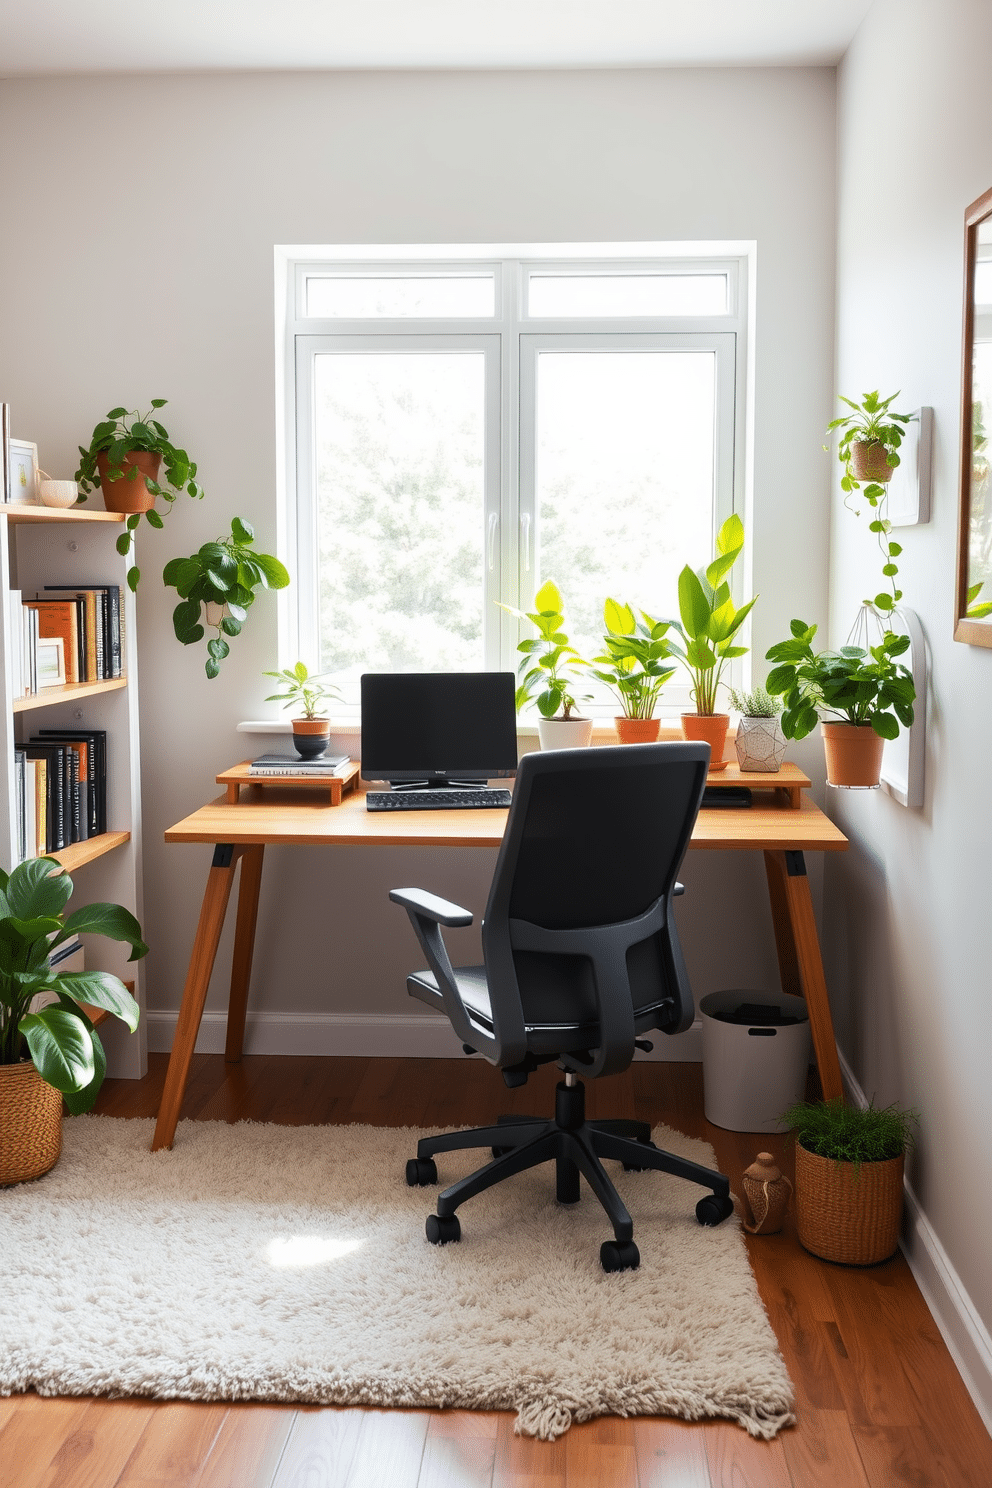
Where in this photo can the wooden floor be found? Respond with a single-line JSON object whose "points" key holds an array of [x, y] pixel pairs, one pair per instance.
{"points": [[879, 1401]]}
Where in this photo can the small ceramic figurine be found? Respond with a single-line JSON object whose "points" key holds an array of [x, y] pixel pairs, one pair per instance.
{"points": [[766, 1196]]}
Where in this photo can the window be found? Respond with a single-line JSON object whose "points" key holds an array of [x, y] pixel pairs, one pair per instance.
{"points": [[460, 428]]}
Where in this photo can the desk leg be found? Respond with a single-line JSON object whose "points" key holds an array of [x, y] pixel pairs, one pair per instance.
{"points": [[201, 963], [244, 946], [799, 959]]}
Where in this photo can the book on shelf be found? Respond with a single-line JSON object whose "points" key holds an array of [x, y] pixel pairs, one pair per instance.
{"points": [[55, 776], [91, 745], [89, 621], [59, 620], [102, 602], [288, 764]]}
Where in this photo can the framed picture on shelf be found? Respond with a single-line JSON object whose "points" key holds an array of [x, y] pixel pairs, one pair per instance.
{"points": [[51, 662], [22, 487]]}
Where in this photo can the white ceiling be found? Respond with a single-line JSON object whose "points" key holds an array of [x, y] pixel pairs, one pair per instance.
{"points": [[73, 36]]}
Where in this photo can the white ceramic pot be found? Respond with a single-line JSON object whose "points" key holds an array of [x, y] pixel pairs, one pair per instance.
{"points": [[564, 733], [58, 492], [760, 745]]}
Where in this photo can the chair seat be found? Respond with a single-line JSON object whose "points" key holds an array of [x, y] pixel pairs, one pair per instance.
{"points": [[545, 1035]]}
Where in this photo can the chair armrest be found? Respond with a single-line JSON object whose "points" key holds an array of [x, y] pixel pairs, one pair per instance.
{"points": [[441, 911]]}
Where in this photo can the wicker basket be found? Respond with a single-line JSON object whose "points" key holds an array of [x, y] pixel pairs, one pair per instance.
{"points": [[30, 1124], [848, 1213]]}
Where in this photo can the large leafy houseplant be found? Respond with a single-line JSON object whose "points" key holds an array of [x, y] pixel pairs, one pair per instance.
{"points": [[635, 664], [110, 457], [709, 621], [217, 585], [551, 666], [855, 685], [60, 1039]]}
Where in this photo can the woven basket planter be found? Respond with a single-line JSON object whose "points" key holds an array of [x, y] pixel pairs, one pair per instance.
{"points": [[869, 463], [30, 1124], [847, 1213]]}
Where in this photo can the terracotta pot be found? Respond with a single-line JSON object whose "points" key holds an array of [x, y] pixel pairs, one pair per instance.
{"points": [[845, 1212], [564, 733], [30, 1124], [711, 728], [637, 730], [311, 736], [868, 461], [125, 494], [853, 753]]}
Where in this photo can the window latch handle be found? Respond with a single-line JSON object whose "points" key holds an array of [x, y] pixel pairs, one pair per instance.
{"points": [[525, 539], [493, 529]]}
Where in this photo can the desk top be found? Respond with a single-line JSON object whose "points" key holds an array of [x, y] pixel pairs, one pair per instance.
{"points": [[294, 815]]}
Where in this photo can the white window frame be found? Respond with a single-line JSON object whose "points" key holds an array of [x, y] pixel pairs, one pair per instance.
{"points": [[511, 341]]}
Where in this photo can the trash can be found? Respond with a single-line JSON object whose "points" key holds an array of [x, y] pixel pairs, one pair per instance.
{"points": [[755, 1057]]}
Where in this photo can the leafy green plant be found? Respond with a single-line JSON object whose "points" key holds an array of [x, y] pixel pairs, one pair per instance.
{"points": [[551, 665], [758, 703], [709, 621], [851, 1134], [633, 664], [300, 690], [873, 422], [122, 433], [60, 1038], [859, 686], [224, 573]]}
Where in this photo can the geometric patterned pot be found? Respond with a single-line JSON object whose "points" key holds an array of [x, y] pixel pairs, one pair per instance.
{"points": [[760, 744], [30, 1123]]}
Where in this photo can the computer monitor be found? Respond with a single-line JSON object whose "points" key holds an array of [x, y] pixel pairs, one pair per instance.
{"points": [[431, 729]]}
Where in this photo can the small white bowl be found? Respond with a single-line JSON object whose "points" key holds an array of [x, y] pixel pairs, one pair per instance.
{"points": [[58, 492]]}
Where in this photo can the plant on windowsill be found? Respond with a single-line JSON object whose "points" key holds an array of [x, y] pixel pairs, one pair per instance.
{"points": [[124, 457], [849, 1170], [634, 667], [311, 730], [216, 586], [760, 744], [707, 627], [53, 1054], [550, 671], [864, 693]]}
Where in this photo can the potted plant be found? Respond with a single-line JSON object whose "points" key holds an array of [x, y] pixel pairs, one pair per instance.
{"points": [[311, 730], [124, 458], [707, 627], [760, 744], [549, 672], [865, 693], [634, 667], [217, 587], [849, 1169], [868, 450], [52, 1054]]}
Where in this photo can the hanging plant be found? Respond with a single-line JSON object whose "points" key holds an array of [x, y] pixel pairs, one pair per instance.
{"points": [[869, 452], [217, 587]]}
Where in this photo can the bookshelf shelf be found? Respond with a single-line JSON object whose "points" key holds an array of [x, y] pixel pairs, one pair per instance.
{"points": [[79, 853], [48, 515], [67, 694]]}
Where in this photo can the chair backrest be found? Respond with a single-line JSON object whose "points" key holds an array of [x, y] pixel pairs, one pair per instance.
{"points": [[593, 844]]}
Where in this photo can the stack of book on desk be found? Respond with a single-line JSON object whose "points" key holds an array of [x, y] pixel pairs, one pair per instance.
{"points": [[274, 765]]}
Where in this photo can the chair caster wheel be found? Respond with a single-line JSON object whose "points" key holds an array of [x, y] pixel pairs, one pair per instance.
{"points": [[421, 1172], [615, 1255], [635, 1167], [713, 1210], [443, 1231]]}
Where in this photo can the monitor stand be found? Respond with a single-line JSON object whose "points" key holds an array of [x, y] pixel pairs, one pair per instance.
{"points": [[438, 782]]}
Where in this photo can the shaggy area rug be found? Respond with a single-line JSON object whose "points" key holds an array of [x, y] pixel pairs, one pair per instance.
{"points": [[285, 1263]]}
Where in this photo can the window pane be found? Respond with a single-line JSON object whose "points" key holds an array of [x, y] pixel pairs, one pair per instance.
{"points": [[625, 471], [399, 451], [390, 296], [621, 295]]}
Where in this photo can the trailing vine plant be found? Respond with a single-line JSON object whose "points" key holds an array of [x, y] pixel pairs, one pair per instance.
{"points": [[873, 422]]}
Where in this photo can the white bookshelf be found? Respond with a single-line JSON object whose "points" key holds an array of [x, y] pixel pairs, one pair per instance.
{"points": [[40, 546]]}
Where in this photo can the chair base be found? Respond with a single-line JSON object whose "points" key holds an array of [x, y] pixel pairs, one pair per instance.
{"points": [[576, 1147]]}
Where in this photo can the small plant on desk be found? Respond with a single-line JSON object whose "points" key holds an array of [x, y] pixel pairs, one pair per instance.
{"points": [[759, 744], [311, 730], [550, 671], [635, 666]]}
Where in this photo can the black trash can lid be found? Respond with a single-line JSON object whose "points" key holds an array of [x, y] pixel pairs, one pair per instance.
{"points": [[757, 1015]]}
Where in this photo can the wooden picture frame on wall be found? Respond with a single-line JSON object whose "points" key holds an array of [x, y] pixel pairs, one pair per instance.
{"points": [[973, 591]]}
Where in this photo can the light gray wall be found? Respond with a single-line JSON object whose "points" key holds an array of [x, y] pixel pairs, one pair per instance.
{"points": [[907, 912], [138, 263]]}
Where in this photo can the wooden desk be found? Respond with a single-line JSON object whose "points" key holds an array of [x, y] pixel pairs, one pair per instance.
{"points": [[241, 832]]}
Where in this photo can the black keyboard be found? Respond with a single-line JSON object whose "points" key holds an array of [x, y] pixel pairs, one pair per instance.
{"points": [[436, 800], [726, 795]]}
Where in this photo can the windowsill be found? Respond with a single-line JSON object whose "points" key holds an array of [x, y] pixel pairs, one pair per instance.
{"points": [[602, 730]]}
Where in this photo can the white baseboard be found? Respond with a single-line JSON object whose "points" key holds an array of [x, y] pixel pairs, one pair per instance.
{"points": [[365, 1035], [962, 1329]]}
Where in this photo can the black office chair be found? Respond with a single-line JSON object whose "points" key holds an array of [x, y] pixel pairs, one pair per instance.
{"points": [[581, 959]]}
